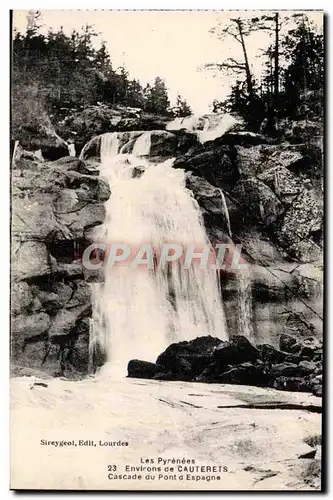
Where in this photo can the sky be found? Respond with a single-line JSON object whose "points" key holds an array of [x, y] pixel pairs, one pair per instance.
{"points": [[170, 44]]}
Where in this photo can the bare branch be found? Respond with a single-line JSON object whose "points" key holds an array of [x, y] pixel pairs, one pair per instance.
{"points": [[236, 68]]}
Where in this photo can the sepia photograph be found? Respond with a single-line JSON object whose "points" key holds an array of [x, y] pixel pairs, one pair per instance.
{"points": [[166, 253]]}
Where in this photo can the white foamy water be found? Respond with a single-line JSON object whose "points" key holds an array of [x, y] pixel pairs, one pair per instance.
{"points": [[206, 127], [225, 211], [138, 312], [142, 145]]}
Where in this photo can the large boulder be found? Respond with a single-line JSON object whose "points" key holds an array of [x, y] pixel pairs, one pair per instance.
{"points": [[238, 361], [217, 165], [303, 218], [142, 369], [31, 325], [289, 343], [43, 138], [189, 357], [245, 374], [255, 160], [258, 200], [238, 350], [282, 182]]}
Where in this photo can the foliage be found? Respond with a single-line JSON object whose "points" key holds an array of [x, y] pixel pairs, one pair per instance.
{"points": [[55, 72], [157, 100], [292, 80], [182, 108]]}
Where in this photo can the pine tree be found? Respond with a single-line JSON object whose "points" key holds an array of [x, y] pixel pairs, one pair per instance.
{"points": [[181, 109], [157, 97]]}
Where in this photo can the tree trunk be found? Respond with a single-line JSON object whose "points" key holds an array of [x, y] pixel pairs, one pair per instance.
{"points": [[276, 59], [247, 66]]}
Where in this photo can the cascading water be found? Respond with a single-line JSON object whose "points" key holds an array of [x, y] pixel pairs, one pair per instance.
{"points": [[226, 213], [138, 312], [142, 145], [206, 127]]}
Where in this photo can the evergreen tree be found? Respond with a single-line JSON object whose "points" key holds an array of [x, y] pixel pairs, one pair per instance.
{"points": [[181, 109], [67, 72], [157, 97]]}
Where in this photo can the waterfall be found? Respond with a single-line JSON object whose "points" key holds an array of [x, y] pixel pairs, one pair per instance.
{"points": [[109, 146], [142, 145], [71, 149], [217, 129], [226, 212], [138, 312], [206, 127]]}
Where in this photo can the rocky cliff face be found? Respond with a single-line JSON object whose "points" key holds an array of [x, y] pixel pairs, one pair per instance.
{"points": [[54, 204], [273, 197]]}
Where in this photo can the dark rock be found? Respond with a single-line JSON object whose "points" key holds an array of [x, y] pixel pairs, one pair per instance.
{"points": [[183, 366], [317, 390], [245, 374], [270, 354], [237, 351], [308, 366], [189, 357], [289, 344], [298, 327], [216, 165], [209, 198], [246, 138], [169, 376], [287, 383], [307, 351], [142, 369], [314, 440], [258, 200], [79, 354], [286, 370], [310, 454], [210, 373], [165, 143], [45, 139], [38, 384], [98, 356], [293, 358]]}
